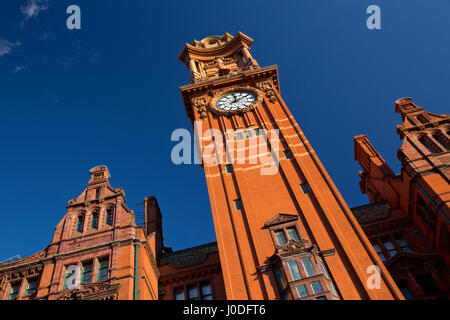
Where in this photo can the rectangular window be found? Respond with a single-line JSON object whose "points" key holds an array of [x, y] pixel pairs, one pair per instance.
{"points": [[31, 287], [316, 287], [281, 237], [403, 244], [239, 136], [305, 188], [322, 298], [302, 291], [69, 274], [379, 252], [390, 247], [179, 295], [14, 292], [80, 223], [292, 233], [294, 269], [102, 273], [94, 221], [109, 216], [229, 168], [248, 134], [193, 293], [323, 269], [238, 204], [288, 154], [309, 267], [206, 291], [257, 131], [97, 193], [86, 274]]}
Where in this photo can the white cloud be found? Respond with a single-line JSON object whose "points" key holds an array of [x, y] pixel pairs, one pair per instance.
{"points": [[18, 68], [32, 9], [6, 46]]}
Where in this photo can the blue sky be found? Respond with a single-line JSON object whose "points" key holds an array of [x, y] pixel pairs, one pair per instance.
{"points": [[108, 94]]}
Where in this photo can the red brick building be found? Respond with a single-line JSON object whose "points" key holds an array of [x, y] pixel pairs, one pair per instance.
{"points": [[408, 221], [283, 229]]}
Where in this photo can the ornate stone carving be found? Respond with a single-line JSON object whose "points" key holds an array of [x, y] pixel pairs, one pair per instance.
{"points": [[267, 87], [93, 291], [200, 104]]}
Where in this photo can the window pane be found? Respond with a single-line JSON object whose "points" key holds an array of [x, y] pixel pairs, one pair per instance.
{"points": [[80, 223], [305, 188], [390, 247], [379, 252], [31, 288], [322, 298], [281, 238], [323, 269], [239, 136], [87, 273], [257, 131], [238, 204], [294, 269], [102, 270], [316, 287], [404, 245], [206, 292], [193, 293], [281, 278], [331, 289], [292, 233], [94, 222], [302, 291], [14, 292], [179, 295], [248, 134], [229, 168], [309, 267], [109, 216]]}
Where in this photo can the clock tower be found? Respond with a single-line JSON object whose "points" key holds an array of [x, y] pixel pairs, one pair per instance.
{"points": [[283, 233]]}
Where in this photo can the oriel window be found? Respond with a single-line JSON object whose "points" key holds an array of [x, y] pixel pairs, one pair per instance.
{"points": [[309, 267], [294, 269]]}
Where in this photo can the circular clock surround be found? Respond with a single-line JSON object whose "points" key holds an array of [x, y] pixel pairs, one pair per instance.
{"points": [[235, 100]]}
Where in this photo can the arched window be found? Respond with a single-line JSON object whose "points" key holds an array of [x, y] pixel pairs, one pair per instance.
{"points": [[442, 140], [94, 220], [109, 216], [429, 144], [80, 222]]}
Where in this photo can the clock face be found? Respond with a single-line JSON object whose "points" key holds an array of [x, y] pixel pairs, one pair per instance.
{"points": [[236, 100]]}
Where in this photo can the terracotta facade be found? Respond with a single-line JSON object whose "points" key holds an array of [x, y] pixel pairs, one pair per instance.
{"points": [[287, 234]]}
